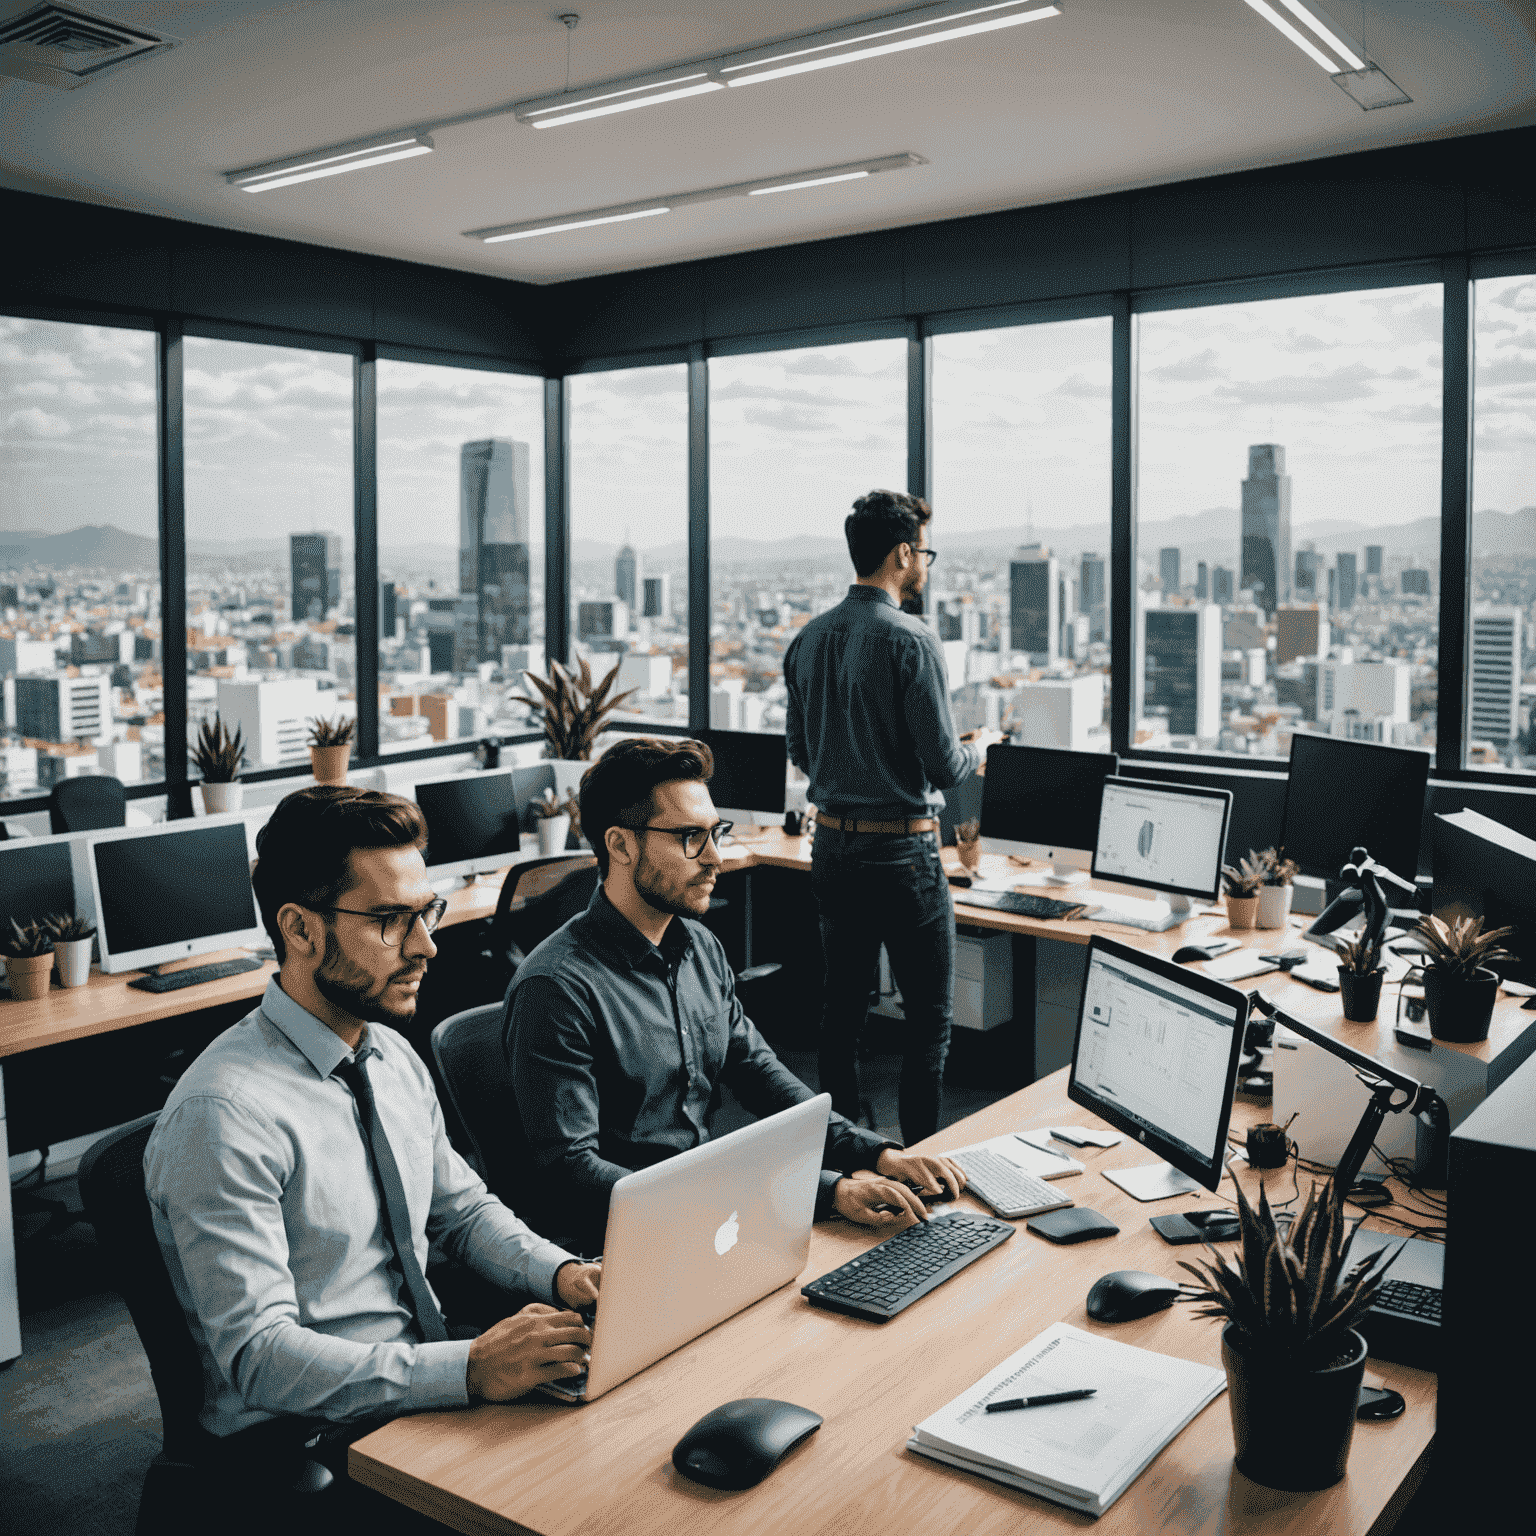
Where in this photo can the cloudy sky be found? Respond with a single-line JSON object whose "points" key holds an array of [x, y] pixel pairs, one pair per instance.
{"points": [[1504, 443]]}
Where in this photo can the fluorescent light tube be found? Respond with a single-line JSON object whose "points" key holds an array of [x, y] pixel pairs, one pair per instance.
{"points": [[557, 116], [556, 229], [1334, 41], [818, 181], [1276, 20], [329, 162]]}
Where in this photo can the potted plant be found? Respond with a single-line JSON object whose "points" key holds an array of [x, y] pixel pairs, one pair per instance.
{"points": [[1276, 893], [1242, 887], [28, 959], [968, 843], [1459, 990], [1360, 977], [72, 938], [330, 748], [219, 755], [1294, 1361], [574, 708], [554, 823]]}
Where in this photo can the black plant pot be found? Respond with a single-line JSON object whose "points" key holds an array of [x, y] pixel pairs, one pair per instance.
{"points": [[1460, 1010], [1292, 1428], [1361, 994]]}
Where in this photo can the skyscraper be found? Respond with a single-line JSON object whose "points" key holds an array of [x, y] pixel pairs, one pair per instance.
{"points": [[1373, 559], [315, 559], [1348, 580], [1308, 564], [1034, 612], [1202, 581], [1266, 526], [1091, 595], [493, 545], [389, 610], [1221, 585], [1168, 568], [1181, 674], [658, 597], [627, 577], [1495, 701]]}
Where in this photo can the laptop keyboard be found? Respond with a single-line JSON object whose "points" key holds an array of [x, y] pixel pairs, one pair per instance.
{"points": [[893, 1274], [1006, 1187], [1020, 903], [1420, 1301]]}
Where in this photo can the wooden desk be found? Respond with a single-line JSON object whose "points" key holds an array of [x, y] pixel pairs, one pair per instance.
{"points": [[536, 1466]]}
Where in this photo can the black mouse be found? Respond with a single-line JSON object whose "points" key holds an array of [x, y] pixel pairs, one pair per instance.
{"points": [[740, 1443], [1189, 953], [1129, 1293]]}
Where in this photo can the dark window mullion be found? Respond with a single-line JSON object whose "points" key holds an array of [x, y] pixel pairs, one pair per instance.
{"points": [[699, 596], [1455, 518], [365, 547], [1122, 527], [557, 519], [170, 424]]}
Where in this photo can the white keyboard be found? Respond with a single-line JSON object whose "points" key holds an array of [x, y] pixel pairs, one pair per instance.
{"points": [[1006, 1187], [1153, 916]]}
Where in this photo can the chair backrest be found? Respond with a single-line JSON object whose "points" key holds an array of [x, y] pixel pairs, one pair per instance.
{"points": [[554, 890], [88, 804], [112, 1191]]}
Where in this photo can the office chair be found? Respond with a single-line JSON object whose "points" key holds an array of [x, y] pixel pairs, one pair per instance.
{"points": [[87, 804], [183, 1483], [552, 896]]}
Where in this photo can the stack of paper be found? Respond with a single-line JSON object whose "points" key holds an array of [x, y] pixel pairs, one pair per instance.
{"points": [[1083, 1454]]}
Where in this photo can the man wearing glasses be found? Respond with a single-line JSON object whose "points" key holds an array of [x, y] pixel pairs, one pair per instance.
{"points": [[869, 721], [623, 1026], [300, 1171]]}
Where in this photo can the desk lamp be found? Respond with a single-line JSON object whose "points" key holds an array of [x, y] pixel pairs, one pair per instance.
{"points": [[1364, 880]]}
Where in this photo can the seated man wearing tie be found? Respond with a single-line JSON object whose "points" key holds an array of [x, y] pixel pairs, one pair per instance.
{"points": [[622, 1027], [300, 1171]]}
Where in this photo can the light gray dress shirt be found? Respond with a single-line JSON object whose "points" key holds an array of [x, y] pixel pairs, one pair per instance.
{"points": [[271, 1226]]}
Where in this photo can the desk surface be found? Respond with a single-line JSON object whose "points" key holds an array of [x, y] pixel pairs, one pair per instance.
{"points": [[541, 1467]]}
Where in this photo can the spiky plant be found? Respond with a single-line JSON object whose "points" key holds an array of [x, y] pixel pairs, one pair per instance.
{"points": [[1459, 948], [1278, 870], [25, 943], [332, 733], [1289, 1294], [1359, 955], [219, 753], [574, 707], [1245, 880], [549, 805], [66, 928]]}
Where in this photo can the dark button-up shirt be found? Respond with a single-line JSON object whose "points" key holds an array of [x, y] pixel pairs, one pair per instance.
{"points": [[619, 1049], [869, 717]]}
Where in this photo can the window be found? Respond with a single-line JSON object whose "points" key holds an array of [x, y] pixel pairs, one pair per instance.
{"points": [[795, 438], [629, 535], [1501, 634], [1021, 496], [461, 551], [79, 556], [1288, 535]]}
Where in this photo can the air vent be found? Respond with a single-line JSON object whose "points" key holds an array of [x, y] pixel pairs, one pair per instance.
{"points": [[60, 46]]}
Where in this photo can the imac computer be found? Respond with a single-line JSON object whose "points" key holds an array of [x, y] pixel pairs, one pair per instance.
{"points": [[1041, 803], [1156, 1056], [474, 823], [1165, 837], [164, 893], [1341, 795], [36, 879], [750, 771]]}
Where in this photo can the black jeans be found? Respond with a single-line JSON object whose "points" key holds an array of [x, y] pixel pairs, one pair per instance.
{"points": [[873, 889]]}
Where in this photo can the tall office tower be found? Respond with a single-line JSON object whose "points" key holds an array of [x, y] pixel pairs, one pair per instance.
{"points": [[1415, 582], [389, 610], [627, 577], [1373, 559], [1221, 585], [656, 597], [1301, 634], [1495, 712], [1344, 564], [1168, 568], [493, 545], [1333, 589], [54, 707], [1181, 671], [316, 563], [1266, 526], [1202, 581], [1092, 595], [1034, 604]]}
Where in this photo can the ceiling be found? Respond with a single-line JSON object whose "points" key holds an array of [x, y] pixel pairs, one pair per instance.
{"points": [[1111, 94]]}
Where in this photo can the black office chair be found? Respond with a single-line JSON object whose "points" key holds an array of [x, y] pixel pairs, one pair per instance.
{"points": [[183, 1484], [88, 804], [551, 897]]}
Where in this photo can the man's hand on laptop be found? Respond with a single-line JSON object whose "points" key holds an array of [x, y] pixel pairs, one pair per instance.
{"points": [[577, 1284], [526, 1350], [930, 1173]]}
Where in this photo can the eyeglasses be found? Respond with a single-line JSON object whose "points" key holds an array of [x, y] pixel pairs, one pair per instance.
{"points": [[926, 550], [395, 927], [694, 838]]}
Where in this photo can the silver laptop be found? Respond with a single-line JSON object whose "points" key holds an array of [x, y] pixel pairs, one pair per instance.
{"points": [[693, 1240]]}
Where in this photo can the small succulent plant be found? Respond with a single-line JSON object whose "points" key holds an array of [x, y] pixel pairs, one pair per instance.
{"points": [[332, 733], [219, 752], [25, 942], [1246, 878], [1459, 948], [550, 805], [66, 928], [1360, 955]]}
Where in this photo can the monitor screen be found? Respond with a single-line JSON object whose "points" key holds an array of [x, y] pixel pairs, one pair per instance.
{"points": [[1168, 837], [1341, 795], [1043, 802], [1488, 870], [1156, 1055], [470, 818], [750, 769], [35, 880], [174, 888]]}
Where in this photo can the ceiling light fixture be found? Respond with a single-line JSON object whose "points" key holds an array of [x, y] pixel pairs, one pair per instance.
{"points": [[334, 161], [1366, 84], [1280, 24], [1333, 40], [619, 213]]}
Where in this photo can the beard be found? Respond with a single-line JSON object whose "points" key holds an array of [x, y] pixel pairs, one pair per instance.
{"points": [[674, 898], [349, 987], [912, 591]]}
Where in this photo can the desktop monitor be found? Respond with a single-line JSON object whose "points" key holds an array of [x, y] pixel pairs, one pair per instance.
{"points": [[1485, 869], [1041, 803], [36, 879], [167, 892], [1340, 795], [750, 769], [474, 822], [1156, 1056], [1164, 837]]}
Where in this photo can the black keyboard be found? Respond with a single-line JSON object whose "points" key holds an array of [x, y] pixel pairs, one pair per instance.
{"points": [[893, 1274], [193, 976], [1420, 1301], [1021, 903]]}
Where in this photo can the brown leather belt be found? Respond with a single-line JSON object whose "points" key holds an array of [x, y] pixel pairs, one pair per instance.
{"points": [[889, 828]]}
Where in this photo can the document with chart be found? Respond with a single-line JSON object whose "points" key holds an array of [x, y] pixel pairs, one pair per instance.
{"points": [[1083, 1454]]}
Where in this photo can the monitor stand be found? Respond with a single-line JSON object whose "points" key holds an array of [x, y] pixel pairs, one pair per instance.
{"points": [[1152, 1181], [1057, 874]]}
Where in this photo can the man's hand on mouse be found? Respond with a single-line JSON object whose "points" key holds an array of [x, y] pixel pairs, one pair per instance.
{"points": [[927, 1170], [534, 1346], [875, 1202]]}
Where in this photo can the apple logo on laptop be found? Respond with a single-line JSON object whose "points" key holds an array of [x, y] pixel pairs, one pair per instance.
{"points": [[725, 1238]]}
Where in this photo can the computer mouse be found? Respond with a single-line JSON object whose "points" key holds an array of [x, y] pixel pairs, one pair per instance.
{"points": [[738, 1444], [1189, 953], [1125, 1294]]}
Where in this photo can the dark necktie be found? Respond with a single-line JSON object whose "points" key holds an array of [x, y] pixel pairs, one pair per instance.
{"points": [[397, 1217]]}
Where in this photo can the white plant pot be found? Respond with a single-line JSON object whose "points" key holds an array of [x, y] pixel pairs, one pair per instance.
{"points": [[553, 831], [72, 962], [218, 798], [1274, 905]]}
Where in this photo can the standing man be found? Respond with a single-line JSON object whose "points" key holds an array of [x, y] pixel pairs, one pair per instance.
{"points": [[870, 723]]}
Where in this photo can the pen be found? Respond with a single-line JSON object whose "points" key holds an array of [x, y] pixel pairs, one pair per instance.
{"points": [[1009, 1403]]}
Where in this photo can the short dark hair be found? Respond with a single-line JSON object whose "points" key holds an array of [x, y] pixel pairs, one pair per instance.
{"points": [[619, 789], [304, 853], [878, 523]]}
